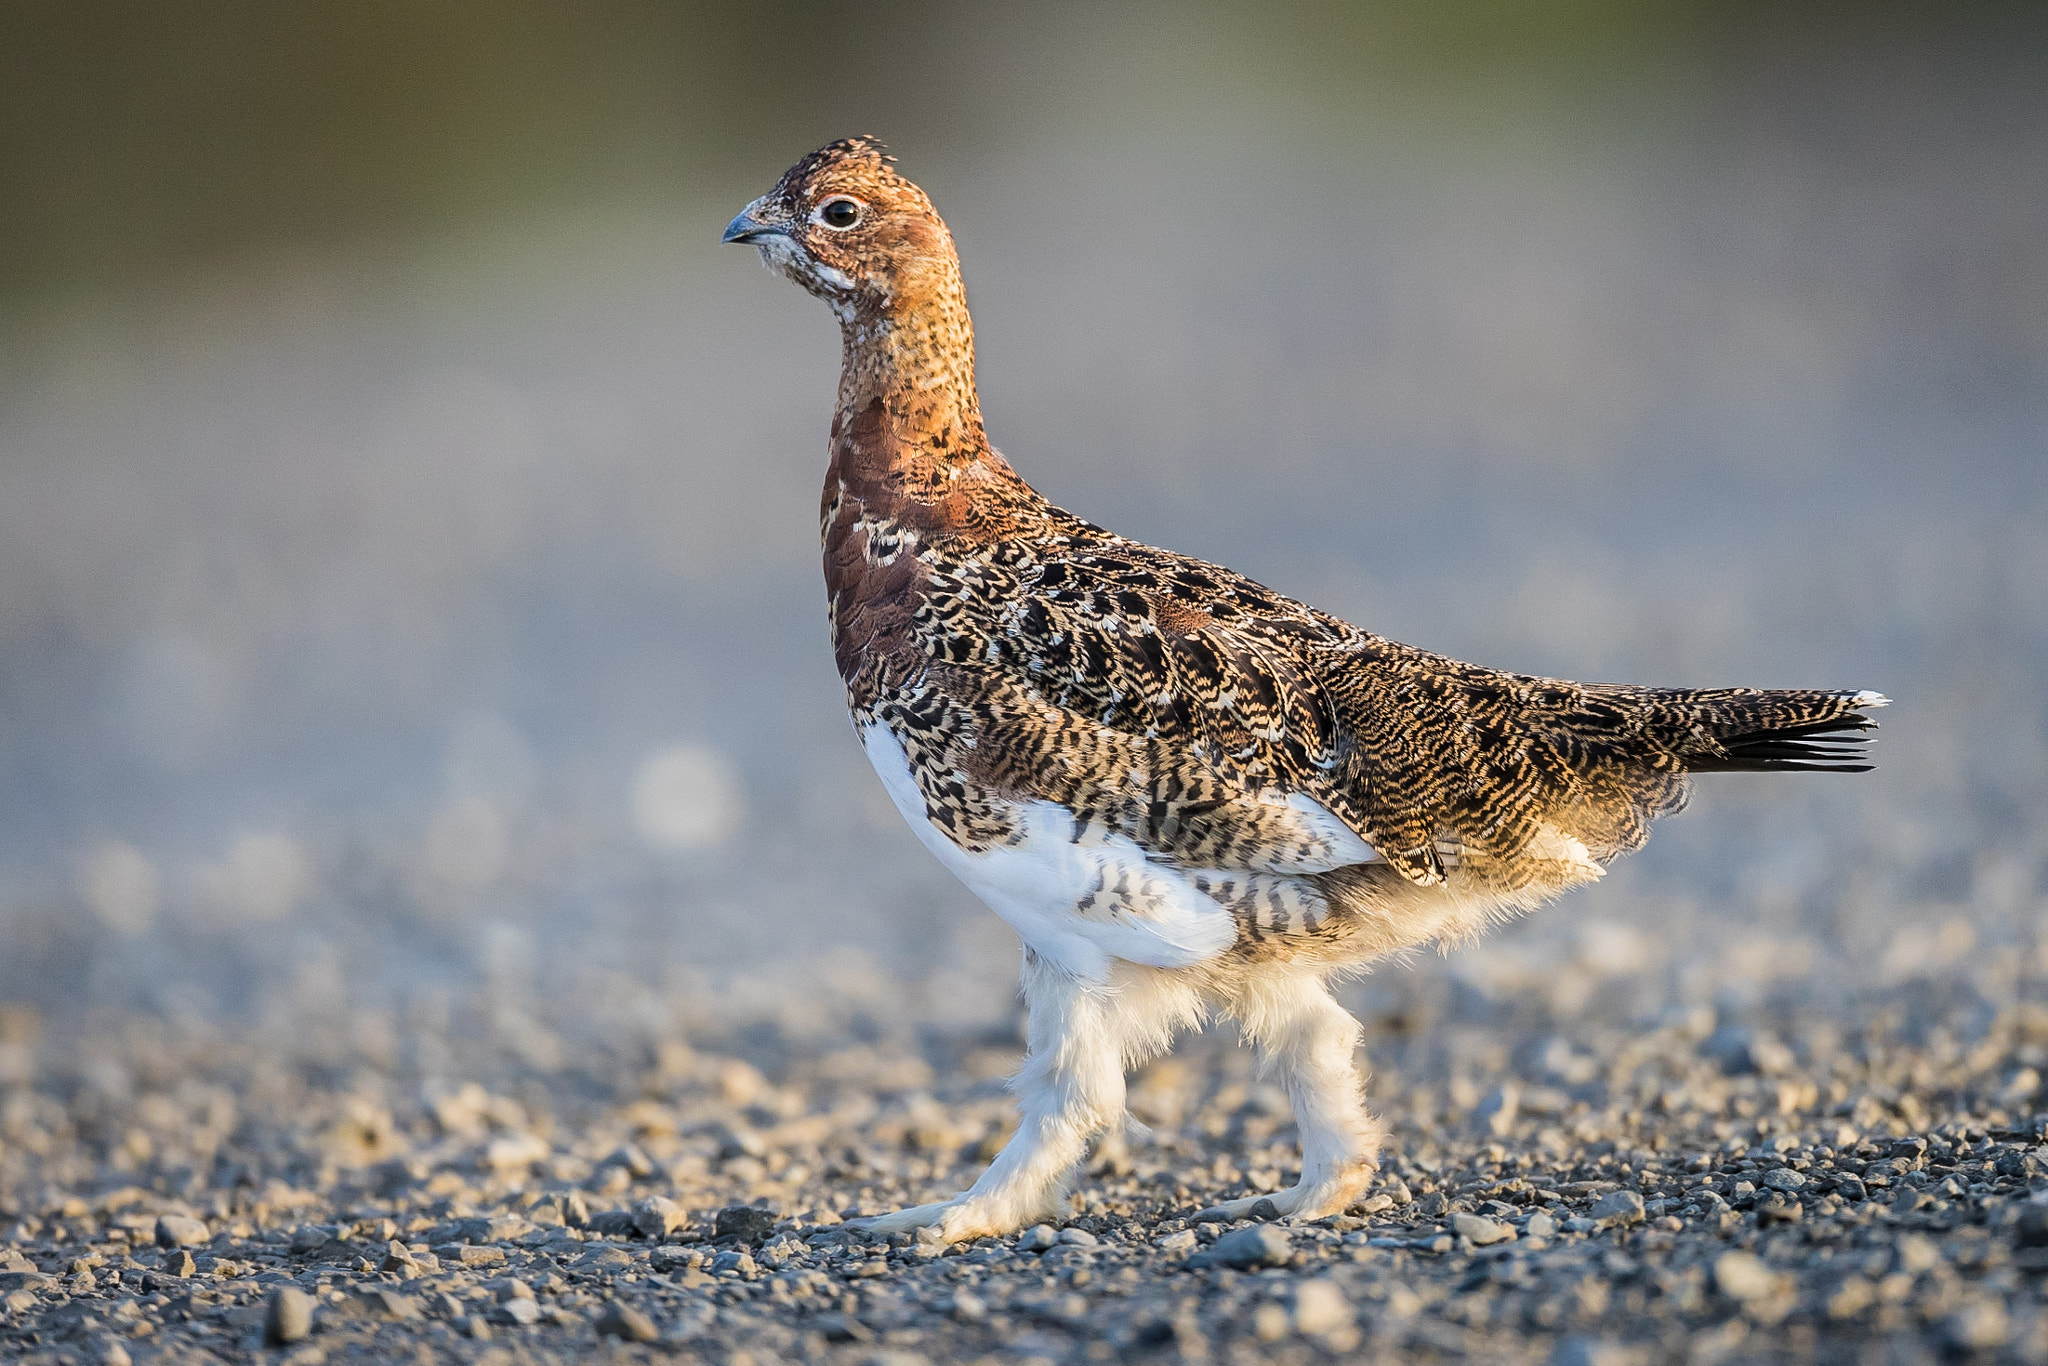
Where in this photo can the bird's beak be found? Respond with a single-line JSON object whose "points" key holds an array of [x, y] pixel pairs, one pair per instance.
{"points": [[750, 223]]}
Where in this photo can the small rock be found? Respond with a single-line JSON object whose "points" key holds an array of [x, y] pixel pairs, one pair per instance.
{"points": [[1320, 1308], [1078, 1237], [1779, 1208], [112, 1353], [1177, 1244], [1979, 1325], [843, 1328], [1542, 1224], [1617, 1207], [1740, 1050], [179, 1263], [1497, 1112], [2031, 1228], [637, 1164], [523, 1312], [1480, 1230], [658, 1216], [1742, 1276], [1582, 1351], [1270, 1323], [289, 1316], [626, 1323], [739, 1263], [1038, 1238], [389, 1304], [1259, 1245], [178, 1230], [749, 1223], [969, 1307], [312, 1237], [514, 1152], [603, 1258], [1784, 1179]]}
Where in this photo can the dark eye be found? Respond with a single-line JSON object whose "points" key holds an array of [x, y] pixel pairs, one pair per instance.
{"points": [[839, 213]]}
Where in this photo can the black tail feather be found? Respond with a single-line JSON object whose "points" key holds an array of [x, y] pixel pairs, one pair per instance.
{"points": [[1833, 746]]}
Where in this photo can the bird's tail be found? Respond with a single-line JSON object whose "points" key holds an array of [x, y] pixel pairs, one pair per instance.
{"points": [[1792, 732]]}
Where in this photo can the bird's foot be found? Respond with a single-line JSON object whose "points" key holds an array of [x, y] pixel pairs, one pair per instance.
{"points": [[958, 1220], [1300, 1203]]}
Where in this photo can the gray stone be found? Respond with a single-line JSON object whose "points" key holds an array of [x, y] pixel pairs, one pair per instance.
{"points": [[659, 1217], [1498, 1111], [603, 1258], [1259, 1245], [1480, 1230], [1078, 1237], [1742, 1276], [739, 1263], [1978, 1325], [1038, 1238], [524, 1313], [1584, 1351], [1784, 1179], [626, 1323], [748, 1223], [1617, 1207], [289, 1316], [1542, 1224], [178, 1230], [1320, 1308]]}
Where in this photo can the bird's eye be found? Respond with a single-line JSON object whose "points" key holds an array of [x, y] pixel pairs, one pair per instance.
{"points": [[839, 213]]}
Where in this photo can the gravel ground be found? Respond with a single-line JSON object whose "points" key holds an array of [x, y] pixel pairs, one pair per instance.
{"points": [[1783, 1183]]}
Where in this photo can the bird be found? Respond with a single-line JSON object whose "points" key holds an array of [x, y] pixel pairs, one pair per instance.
{"points": [[1190, 795]]}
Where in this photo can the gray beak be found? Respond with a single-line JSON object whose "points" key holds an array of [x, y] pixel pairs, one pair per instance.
{"points": [[749, 224]]}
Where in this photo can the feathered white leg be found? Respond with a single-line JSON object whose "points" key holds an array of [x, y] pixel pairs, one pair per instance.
{"points": [[1308, 1043], [1071, 1087]]}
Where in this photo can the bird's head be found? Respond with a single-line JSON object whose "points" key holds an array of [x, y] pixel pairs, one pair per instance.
{"points": [[844, 225]]}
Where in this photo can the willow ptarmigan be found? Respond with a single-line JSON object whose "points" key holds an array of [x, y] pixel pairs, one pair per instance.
{"points": [[1185, 791]]}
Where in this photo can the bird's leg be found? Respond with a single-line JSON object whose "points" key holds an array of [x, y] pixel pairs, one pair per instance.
{"points": [[1308, 1043], [1070, 1087]]}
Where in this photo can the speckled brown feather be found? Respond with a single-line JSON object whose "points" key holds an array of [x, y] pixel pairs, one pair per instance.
{"points": [[1019, 652]]}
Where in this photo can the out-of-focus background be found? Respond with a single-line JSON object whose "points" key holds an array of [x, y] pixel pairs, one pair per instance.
{"points": [[408, 582]]}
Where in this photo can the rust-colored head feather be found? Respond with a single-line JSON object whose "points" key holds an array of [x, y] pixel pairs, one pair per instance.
{"points": [[844, 225]]}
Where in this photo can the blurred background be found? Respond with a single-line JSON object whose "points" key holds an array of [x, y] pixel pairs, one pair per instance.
{"points": [[408, 576]]}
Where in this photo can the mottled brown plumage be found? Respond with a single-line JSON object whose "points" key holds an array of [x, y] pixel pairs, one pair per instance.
{"points": [[1205, 745]]}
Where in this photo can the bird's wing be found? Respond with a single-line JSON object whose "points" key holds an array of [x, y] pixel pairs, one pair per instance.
{"points": [[1225, 727], [1520, 778]]}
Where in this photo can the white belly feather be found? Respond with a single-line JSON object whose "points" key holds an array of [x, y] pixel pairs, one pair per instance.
{"points": [[1081, 898]]}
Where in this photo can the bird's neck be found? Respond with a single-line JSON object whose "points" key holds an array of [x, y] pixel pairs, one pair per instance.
{"points": [[907, 439]]}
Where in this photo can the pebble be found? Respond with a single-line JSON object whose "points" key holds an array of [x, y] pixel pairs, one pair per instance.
{"points": [[178, 1230], [1742, 1276], [1617, 1207], [289, 1316], [1479, 1230], [1038, 1238], [1259, 1245], [1320, 1309], [747, 1223], [1654, 1192], [627, 1323]]}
